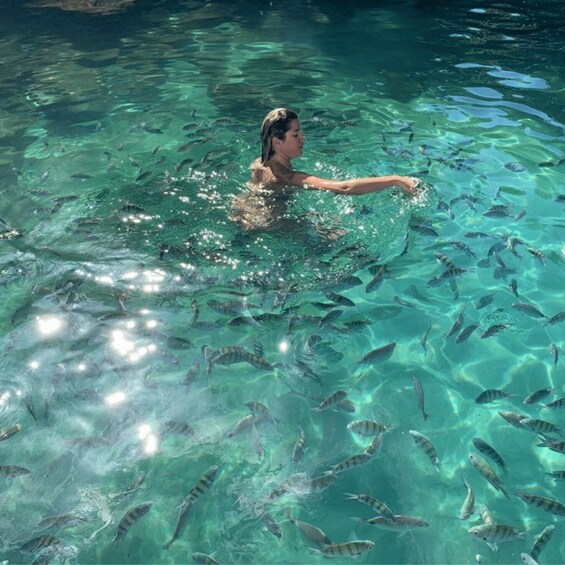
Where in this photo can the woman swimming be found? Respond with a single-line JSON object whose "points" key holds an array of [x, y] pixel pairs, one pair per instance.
{"points": [[266, 201]]}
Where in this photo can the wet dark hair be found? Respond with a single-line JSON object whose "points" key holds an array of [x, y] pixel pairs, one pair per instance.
{"points": [[275, 124]]}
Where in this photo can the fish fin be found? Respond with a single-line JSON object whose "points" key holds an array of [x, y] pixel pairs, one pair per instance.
{"points": [[492, 545], [315, 551]]}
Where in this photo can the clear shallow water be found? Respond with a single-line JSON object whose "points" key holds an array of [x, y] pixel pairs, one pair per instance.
{"points": [[109, 235]]}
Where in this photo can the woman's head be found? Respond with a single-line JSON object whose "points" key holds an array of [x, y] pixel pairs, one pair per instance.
{"points": [[275, 125]]}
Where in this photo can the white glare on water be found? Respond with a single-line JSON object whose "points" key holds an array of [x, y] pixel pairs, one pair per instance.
{"points": [[149, 439], [115, 398], [283, 346], [49, 325]]}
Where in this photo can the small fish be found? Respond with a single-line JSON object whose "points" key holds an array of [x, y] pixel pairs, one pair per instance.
{"points": [[466, 333], [496, 533], [81, 176], [490, 395], [203, 558], [538, 395], [330, 401], [346, 549], [400, 522], [424, 339], [380, 354], [490, 452], [310, 532], [529, 310], [339, 299], [130, 518], [41, 543], [541, 541], [203, 484], [377, 280], [515, 166], [9, 432], [260, 409], [245, 422], [321, 483], [13, 471], [547, 504], [468, 507], [457, 324], [143, 176], [494, 329], [513, 418], [487, 472], [367, 428], [541, 427], [61, 521], [514, 287], [353, 461], [539, 255], [426, 445], [420, 394], [299, 446], [554, 354], [375, 504]]}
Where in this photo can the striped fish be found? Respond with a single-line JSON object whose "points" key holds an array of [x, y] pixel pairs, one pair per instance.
{"points": [[375, 504], [426, 445], [489, 451], [537, 395], [350, 462], [547, 504], [487, 472], [540, 426], [527, 559], [259, 409], [490, 395], [496, 533], [203, 484], [485, 515], [457, 324], [330, 401], [321, 483], [346, 549], [367, 428], [299, 446], [128, 520], [375, 446], [494, 329], [41, 543], [541, 541], [378, 354]]}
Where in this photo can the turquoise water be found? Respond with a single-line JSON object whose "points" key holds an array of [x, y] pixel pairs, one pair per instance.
{"points": [[125, 134]]}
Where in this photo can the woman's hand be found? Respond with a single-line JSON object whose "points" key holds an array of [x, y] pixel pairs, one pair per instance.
{"points": [[408, 184]]}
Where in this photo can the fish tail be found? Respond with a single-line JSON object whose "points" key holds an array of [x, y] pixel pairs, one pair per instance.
{"points": [[168, 544]]}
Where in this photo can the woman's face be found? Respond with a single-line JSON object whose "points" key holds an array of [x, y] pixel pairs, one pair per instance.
{"points": [[293, 142]]}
